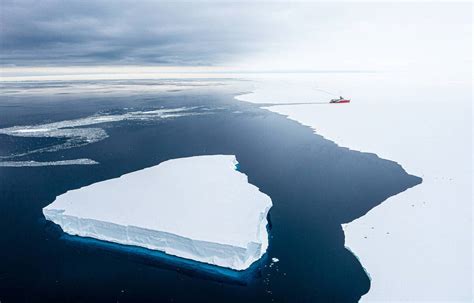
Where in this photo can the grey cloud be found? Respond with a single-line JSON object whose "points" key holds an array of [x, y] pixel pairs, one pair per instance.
{"points": [[126, 32], [304, 35]]}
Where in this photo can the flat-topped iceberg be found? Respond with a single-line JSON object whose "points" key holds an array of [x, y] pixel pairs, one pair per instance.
{"points": [[198, 208]]}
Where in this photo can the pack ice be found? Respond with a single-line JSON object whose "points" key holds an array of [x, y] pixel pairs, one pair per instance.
{"points": [[198, 208]]}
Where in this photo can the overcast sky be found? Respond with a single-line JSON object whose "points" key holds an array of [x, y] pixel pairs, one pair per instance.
{"points": [[285, 36]]}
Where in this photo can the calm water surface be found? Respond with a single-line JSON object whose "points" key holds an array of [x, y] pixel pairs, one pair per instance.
{"points": [[314, 184]]}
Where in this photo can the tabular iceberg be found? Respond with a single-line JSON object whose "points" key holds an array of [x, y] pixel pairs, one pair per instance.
{"points": [[198, 208]]}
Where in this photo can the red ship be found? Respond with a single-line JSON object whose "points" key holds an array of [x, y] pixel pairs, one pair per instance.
{"points": [[340, 100]]}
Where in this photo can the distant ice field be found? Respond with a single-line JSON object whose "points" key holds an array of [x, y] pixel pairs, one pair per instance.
{"points": [[417, 245]]}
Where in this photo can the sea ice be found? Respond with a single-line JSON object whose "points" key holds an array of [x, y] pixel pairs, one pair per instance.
{"points": [[79, 132], [198, 208], [47, 163], [414, 243]]}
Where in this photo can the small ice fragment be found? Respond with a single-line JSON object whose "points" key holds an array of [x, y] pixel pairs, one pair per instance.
{"points": [[32, 130], [47, 163]]}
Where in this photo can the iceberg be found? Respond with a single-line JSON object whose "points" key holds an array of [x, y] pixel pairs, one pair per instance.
{"points": [[200, 208]]}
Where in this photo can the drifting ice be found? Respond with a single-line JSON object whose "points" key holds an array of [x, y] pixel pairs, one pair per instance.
{"points": [[197, 208]]}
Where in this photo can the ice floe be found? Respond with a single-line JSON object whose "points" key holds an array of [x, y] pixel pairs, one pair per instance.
{"points": [[78, 132], [417, 245], [198, 208], [47, 163]]}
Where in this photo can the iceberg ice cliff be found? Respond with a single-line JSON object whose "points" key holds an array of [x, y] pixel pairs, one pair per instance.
{"points": [[198, 208]]}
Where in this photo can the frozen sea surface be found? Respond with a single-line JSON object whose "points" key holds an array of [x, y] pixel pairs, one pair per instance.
{"points": [[417, 245]]}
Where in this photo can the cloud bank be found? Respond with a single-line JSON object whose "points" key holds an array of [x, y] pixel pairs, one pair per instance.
{"points": [[277, 35]]}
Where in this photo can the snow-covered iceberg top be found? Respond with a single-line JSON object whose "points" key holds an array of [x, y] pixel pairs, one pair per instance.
{"points": [[199, 208]]}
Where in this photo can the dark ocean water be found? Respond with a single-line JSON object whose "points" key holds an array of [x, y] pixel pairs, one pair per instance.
{"points": [[314, 184]]}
